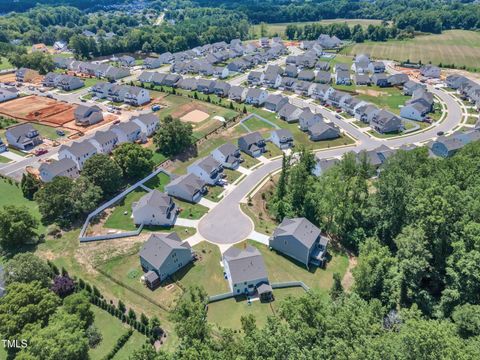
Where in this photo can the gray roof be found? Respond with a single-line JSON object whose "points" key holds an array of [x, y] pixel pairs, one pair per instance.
{"points": [[300, 228], [147, 119], [20, 130], [207, 163], [274, 99], [245, 264], [283, 133], [252, 138], [254, 93], [84, 110], [127, 127], [159, 246], [319, 128], [227, 149], [236, 90], [155, 199], [104, 137], [58, 167], [79, 149], [189, 182]]}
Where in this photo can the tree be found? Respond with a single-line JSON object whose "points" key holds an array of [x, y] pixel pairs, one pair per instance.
{"points": [[79, 304], [26, 268], [336, 291], [103, 172], [17, 227], [94, 336], [39, 61], [25, 304], [190, 314], [467, 319], [134, 160], [30, 185], [173, 136], [63, 338], [131, 314], [121, 306], [248, 324], [146, 352], [62, 285]]}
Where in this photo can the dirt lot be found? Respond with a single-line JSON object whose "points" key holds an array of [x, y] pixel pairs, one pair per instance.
{"points": [[195, 116], [370, 92], [185, 109], [37, 108], [106, 119], [7, 77]]}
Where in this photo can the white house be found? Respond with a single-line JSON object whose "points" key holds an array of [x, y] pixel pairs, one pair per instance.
{"points": [[104, 141], [148, 123], [8, 94], [64, 167], [79, 152], [155, 208], [207, 169]]}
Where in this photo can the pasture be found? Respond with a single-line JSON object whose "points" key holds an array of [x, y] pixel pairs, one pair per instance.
{"points": [[458, 47]]}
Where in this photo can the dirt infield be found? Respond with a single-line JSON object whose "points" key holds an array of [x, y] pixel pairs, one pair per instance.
{"points": [[371, 92], [184, 109], [195, 116], [40, 109]]}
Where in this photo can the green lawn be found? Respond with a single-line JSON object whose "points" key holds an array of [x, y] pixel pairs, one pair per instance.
{"points": [[249, 161], [232, 175], [238, 307], [135, 342], [459, 47], [16, 151], [190, 211], [49, 132], [3, 353], [384, 135], [4, 160], [11, 194], [390, 98], [472, 120], [111, 329], [360, 124], [279, 28], [206, 271], [158, 158], [214, 192], [255, 124], [5, 64], [118, 219], [262, 224], [272, 150], [158, 182]]}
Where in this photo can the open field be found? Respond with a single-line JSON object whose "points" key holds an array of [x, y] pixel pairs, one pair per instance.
{"points": [[459, 47], [279, 28], [134, 343], [38, 108], [111, 329]]}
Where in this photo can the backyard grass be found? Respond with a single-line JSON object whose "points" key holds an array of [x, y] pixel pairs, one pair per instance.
{"points": [[206, 271], [111, 329], [158, 182], [279, 28], [49, 132], [11, 194], [458, 47], [384, 135], [238, 307], [134, 343], [118, 219], [255, 124], [214, 193]]}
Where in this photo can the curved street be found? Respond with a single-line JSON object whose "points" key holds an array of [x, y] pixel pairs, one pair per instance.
{"points": [[227, 224]]}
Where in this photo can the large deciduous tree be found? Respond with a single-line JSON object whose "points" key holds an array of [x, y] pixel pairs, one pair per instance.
{"points": [[17, 227], [103, 172], [25, 268], [173, 136], [134, 160]]}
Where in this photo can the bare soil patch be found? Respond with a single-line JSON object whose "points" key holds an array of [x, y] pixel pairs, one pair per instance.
{"points": [[184, 109], [347, 280], [371, 92], [195, 116]]}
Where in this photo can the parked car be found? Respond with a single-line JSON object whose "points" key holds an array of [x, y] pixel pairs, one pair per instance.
{"points": [[60, 132], [116, 122], [156, 107], [440, 133], [39, 152], [338, 116]]}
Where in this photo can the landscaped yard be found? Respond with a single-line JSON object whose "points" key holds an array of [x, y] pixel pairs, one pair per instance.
{"points": [[232, 175], [4, 160], [120, 218], [472, 120], [190, 211], [458, 47], [390, 98], [256, 124], [214, 192], [360, 124], [111, 329], [238, 307], [272, 150], [49, 132], [249, 161], [158, 182], [11, 194]]}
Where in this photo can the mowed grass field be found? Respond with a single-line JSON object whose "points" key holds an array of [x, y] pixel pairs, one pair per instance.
{"points": [[279, 28], [459, 47]]}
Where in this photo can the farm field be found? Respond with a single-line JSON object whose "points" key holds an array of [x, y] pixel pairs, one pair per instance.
{"points": [[279, 28], [459, 47]]}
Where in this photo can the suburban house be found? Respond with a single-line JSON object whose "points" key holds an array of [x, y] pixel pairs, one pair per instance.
{"points": [[272, 79], [323, 131], [361, 64], [63, 167], [282, 138], [101, 89], [152, 62], [275, 102], [252, 144], [237, 93], [50, 79], [397, 79], [8, 93], [287, 83], [104, 141], [410, 86], [318, 91], [306, 75], [291, 70], [221, 88], [186, 187], [380, 79], [87, 115], [290, 113], [307, 118], [361, 79], [430, 71], [23, 136], [302, 87], [60, 46], [329, 42], [255, 78], [162, 255], [136, 96], [376, 67], [414, 111], [3, 147], [207, 169], [79, 152], [188, 84], [25, 75], [386, 122], [322, 65], [148, 123], [126, 60], [155, 208], [256, 97], [69, 83], [323, 77], [446, 146], [299, 239], [366, 112], [342, 77], [228, 156], [246, 273], [117, 93], [127, 131], [115, 73], [322, 165]]}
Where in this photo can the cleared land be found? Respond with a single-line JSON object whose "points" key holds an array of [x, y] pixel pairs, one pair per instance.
{"points": [[279, 28], [40, 109], [458, 47]]}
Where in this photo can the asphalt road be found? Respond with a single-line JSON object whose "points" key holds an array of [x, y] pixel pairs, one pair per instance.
{"points": [[227, 224]]}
